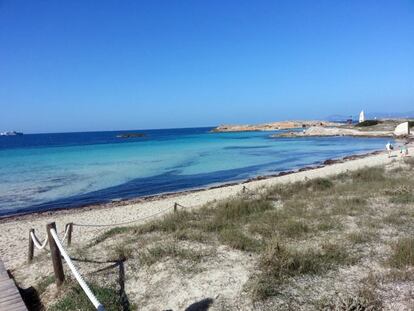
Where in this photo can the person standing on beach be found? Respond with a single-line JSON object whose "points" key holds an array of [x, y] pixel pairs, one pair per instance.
{"points": [[389, 147], [404, 151]]}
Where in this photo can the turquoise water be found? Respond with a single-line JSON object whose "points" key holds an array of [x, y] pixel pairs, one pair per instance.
{"points": [[48, 171]]}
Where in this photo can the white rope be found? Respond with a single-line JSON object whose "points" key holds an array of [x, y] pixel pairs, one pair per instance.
{"points": [[36, 241], [75, 272], [66, 232], [122, 223]]}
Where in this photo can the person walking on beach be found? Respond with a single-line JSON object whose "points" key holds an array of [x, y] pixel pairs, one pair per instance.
{"points": [[403, 151], [389, 147]]}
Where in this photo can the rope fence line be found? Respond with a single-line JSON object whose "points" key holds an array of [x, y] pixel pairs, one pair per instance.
{"points": [[36, 240], [58, 251], [124, 222], [175, 207], [75, 272]]}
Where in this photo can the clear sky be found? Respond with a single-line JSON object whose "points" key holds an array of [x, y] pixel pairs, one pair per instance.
{"points": [[102, 65]]}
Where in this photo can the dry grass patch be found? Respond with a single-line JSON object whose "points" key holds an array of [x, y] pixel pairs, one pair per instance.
{"points": [[236, 239], [279, 263], [161, 252], [402, 253], [361, 237], [365, 299], [287, 226]]}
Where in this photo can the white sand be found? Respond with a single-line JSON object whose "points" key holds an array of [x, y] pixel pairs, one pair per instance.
{"points": [[15, 232]]}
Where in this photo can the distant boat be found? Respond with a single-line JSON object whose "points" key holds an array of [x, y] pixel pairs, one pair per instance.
{"points": [[12, 133]]}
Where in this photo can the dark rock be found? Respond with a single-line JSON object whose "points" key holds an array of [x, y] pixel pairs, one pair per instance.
{"points": [[130, 135]]}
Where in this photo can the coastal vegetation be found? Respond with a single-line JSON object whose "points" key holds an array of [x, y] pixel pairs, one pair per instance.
{"points": [[338, 243], [368, 123]]}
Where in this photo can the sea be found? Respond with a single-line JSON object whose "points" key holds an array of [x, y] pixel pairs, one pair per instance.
{"points": [[40, 172]]}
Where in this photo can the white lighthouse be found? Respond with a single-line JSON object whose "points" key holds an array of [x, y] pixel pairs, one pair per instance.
{"points": [[361, 116]]}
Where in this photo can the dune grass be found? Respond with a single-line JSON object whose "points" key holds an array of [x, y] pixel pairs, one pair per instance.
{"points": [[293, 230], [402, 253], [279, 262]]}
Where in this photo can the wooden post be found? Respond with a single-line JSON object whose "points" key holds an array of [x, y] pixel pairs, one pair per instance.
{"points": [[56, 257], [31, 246], [70, 228], [175, 206]]}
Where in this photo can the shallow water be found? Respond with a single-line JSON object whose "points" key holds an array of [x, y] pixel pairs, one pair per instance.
{"points": [[48, 171]]}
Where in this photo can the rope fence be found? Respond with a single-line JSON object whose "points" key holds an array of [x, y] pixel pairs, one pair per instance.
{"points": [[75, 272], [58, 251], [36, 240]]}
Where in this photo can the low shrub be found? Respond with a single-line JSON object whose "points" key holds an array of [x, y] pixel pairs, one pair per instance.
{"points": [[367, 123]]}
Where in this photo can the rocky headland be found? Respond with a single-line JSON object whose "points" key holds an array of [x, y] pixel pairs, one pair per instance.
{"points": [[315, 131], [281, 125]]}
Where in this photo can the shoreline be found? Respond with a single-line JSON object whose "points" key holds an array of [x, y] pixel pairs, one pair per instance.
{"points": [[91, 221], [166, 195]]}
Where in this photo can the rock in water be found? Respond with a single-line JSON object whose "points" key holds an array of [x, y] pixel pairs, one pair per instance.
{"points": [[130, 135]]}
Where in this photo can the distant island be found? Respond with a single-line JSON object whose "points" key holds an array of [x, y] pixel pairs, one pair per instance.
{"points": [[315, 128], [281, 125]]}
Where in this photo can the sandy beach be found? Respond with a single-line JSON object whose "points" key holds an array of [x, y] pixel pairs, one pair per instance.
{"points": [[15, 231]]}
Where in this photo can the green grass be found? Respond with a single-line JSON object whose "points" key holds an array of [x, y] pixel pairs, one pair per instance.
{"points": [[75, 299], [44, 283]]}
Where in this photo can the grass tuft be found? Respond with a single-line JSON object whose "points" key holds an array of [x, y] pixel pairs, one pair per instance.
{"points": [[372, 174], [238, 240], [402, 253], [162, 252], [278, 263], [402, 198]]}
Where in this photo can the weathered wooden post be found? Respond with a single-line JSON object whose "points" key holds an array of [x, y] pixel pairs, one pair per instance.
{"points": [[56, 257], [175, 206], [69, 227], [31, 246]]}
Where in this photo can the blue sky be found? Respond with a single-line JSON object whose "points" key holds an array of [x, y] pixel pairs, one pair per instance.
{"points": [[104, 65]]}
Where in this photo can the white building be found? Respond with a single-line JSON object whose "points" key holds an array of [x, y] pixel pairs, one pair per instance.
{"points": [[361, 116]]}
